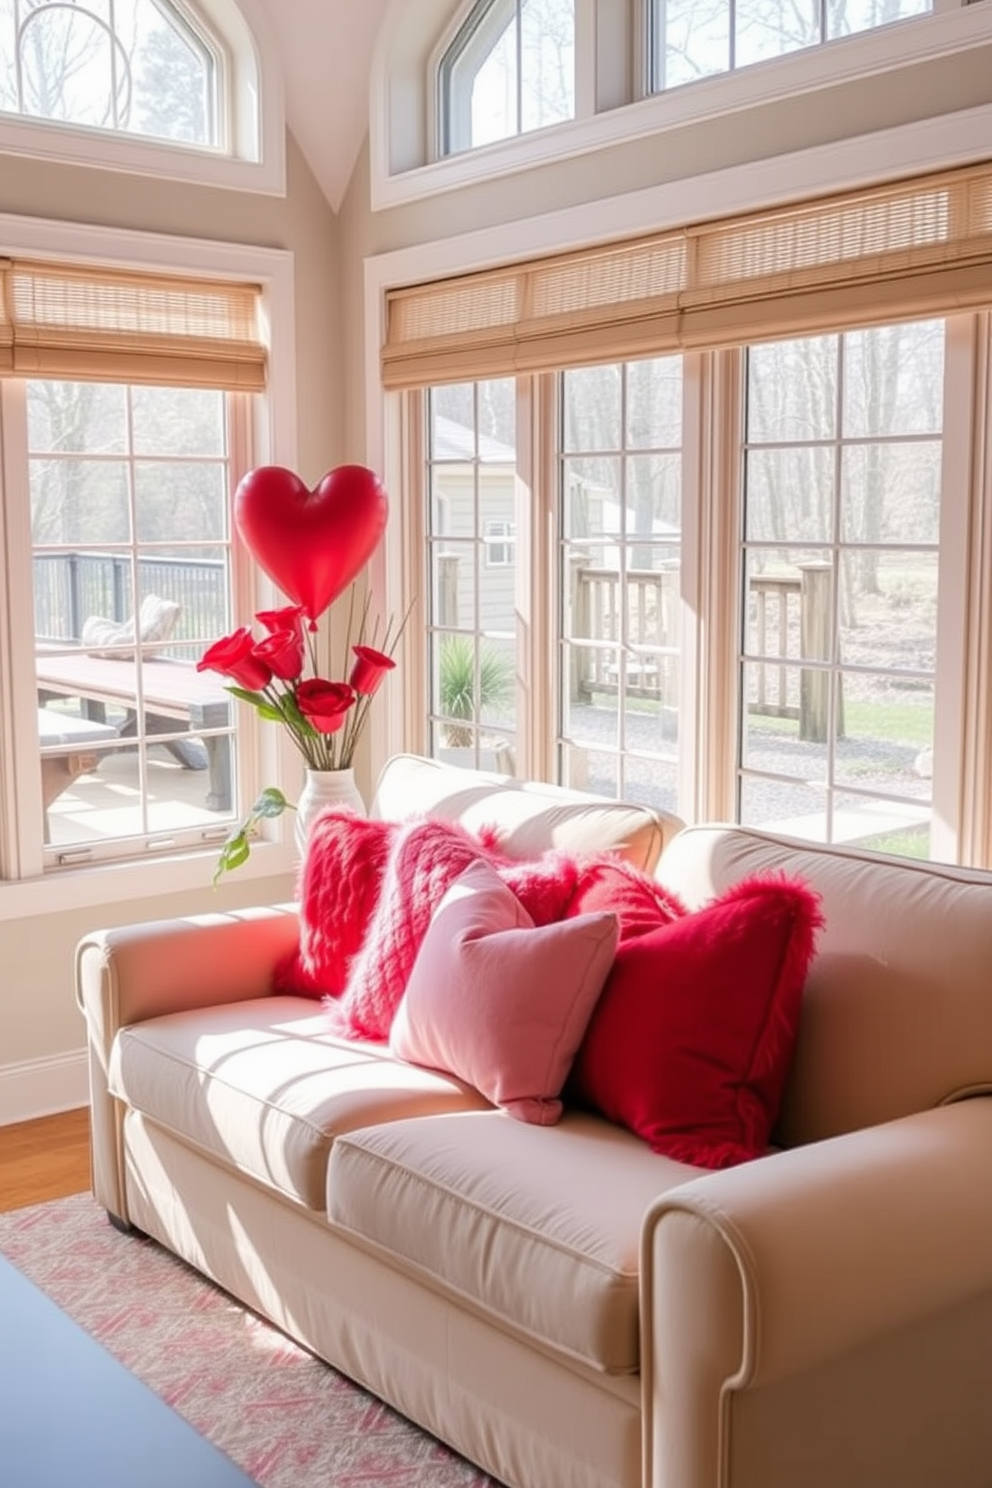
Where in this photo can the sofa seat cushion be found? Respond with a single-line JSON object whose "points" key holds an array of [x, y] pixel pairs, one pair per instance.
{"points": [[264, 1087], [536, 1226]]}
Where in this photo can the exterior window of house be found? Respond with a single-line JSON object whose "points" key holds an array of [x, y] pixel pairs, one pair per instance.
{"points": [[510, 69], [620, 483], [127, 491], [471, 489], [841, 570], [138, 67], [688, 41], [499, 539]]}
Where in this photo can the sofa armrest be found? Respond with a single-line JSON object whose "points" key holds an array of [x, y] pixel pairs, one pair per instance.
{"points": [[772, 1269], [134, 972]]}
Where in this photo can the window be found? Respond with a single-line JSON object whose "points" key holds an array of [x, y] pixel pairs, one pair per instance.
{"points": [[471, 486], [819, 694], [116, 487], [842, 570], [132, 577], [620, 520], [498, 538], [178, 89], [132, 66], [509, 70], [689, 41]]}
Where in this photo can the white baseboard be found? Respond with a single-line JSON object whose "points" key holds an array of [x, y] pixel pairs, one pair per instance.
{"points": [[42, 1087]]}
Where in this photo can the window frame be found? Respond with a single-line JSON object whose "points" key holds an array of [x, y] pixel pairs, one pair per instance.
{"points": [[251, 150], [268, 756]]}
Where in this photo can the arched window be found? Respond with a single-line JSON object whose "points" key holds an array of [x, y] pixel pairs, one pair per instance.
{"points": [[186, 90], [137, 67], [509, 69]]}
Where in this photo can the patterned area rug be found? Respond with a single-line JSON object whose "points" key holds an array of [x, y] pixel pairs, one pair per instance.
{"points": [[283, 1416]]}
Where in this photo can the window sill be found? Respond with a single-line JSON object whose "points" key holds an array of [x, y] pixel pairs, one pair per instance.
{"points": [[868, 54], [131, 882], [65, 145]]}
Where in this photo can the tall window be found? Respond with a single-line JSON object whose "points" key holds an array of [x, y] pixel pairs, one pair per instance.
{"points": [[620, 478], [129, 66], [131, 557], [471, 488], [842, 493], [510, 69], [689, 41]]}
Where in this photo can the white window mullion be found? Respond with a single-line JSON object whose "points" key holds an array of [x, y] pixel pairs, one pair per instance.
{"points": [[711, 585]]}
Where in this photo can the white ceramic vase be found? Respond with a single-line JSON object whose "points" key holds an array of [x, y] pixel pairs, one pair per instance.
{"points": [[325, 788]]}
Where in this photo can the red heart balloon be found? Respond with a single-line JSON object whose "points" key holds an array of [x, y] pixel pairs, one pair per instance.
{"points": [[311, 543]]}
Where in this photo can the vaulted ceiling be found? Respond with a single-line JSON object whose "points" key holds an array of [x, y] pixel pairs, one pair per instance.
{"points": [[326, 49]]}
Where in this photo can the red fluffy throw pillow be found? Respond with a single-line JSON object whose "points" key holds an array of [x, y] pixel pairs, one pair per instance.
{"points": [[425, 858], [639, 902], [690, 1043], [339, 888]]}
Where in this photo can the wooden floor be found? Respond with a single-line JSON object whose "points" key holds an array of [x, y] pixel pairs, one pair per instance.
{"points": [[44, 1159]]}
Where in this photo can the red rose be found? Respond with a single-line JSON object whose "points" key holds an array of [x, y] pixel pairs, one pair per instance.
{"points": [[283, 652], [369, 669], [290, 617], [234, 656], [324, 704]]}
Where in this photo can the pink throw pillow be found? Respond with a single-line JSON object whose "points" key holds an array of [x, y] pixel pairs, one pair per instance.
{"points": [[690, 1044], [500, 1002], [338, 891]]}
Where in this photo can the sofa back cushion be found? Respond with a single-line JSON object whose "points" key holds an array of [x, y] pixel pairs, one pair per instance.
{"points": [[525, 817], [897, 1008]]}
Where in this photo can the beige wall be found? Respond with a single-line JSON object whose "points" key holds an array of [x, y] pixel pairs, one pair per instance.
{"points": [[38, 1016]]}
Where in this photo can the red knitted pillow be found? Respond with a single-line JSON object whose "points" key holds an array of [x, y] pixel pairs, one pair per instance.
{"points": [[425, 858], [339, 887], [690, 1042]]}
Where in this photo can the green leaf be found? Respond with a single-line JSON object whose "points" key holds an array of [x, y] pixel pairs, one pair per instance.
{"points": [[237, 847], [234, 852], [255, 698], [271, 802]]}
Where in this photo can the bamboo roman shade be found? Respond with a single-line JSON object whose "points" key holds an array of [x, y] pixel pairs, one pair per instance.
{"points": [[105, 325], [894, 252]]}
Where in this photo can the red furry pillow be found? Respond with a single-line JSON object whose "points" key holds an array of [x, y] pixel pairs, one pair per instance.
{"points": [[691, 1040], [338, 891], [425, 858]]}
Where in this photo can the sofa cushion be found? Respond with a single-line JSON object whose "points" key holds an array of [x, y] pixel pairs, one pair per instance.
{"points": [[262, 1085], [499, 1001], [691, 1041], [537, 1227], [524, 817]]}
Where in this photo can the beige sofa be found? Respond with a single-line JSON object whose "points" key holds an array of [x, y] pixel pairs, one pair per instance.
{"points": [[560, 1304]]}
